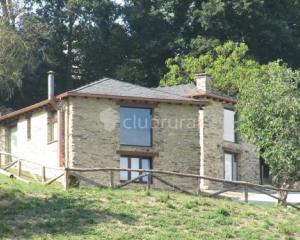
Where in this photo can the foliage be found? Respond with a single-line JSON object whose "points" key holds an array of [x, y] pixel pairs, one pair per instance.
{"points": [[228, 63], [18, 52], [268, 101], [33, 211], [90, 39], [269, 110]]}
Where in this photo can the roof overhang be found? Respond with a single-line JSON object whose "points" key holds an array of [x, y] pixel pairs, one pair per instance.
{"points": [[52, 103], [27, 110], [212, 96], [200, 103]]}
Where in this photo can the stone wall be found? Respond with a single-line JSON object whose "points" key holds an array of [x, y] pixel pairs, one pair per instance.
{"points": [[175, 139], [213, 148]]}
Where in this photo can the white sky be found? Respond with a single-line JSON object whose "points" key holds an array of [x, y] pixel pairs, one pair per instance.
{"points": [[121, 2]]}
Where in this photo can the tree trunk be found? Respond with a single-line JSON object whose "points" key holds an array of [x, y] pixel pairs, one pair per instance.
{"points": [[283, 195], [4, 11]]}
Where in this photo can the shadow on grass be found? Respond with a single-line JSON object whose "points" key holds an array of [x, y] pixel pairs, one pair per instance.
{"points": [[22, 216]]}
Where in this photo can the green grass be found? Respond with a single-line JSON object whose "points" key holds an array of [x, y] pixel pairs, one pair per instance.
{"points": [[32, 211]]}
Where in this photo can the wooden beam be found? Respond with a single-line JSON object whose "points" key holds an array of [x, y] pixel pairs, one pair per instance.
{"points": [[54, 179], [136, 153], [88, 180], [223, 191], [112, 179], [137, 104], [270, 195], [132, 180], [10, 165], [172, 185], [189, 175]]}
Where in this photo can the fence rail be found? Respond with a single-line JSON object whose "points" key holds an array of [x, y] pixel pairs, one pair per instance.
{"points": [[19, 163], [234, 185], [66, 173]]}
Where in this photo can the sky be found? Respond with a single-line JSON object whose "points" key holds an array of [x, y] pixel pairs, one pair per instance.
{"points": [[121, 2]]}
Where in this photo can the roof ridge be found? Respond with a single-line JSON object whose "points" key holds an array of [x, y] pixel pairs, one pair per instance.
{"points": [[129, 83], [152, 89], [90, 84]]}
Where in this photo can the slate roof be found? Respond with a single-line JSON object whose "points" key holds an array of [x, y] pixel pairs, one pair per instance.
{"points": [[181, 89], [113, 89], [191, 90], [108, 86]]}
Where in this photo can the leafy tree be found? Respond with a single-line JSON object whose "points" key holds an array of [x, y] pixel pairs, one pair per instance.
{"points": [[268, 102], [228, 63], [269, 110], [270, 28], [19, 33]]}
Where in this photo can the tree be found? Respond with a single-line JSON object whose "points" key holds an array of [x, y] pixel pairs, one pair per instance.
{"points": [[269, 110], [268, 102], [229, 63], [19, 34]]}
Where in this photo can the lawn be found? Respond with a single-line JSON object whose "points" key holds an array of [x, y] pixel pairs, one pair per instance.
{"points": [[32, 211]]}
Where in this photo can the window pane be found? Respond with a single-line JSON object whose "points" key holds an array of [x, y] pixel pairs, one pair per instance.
{"points": [[229, 134], [228, 166], [145, 166], [135, 126], [123, 164], [13, 141], [135, 164]]}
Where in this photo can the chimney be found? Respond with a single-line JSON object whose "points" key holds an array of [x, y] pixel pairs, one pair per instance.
{"points": [[203, 82], [50, 85]]}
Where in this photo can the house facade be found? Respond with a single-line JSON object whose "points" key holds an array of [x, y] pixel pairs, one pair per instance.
{"points": [[109, 123]]}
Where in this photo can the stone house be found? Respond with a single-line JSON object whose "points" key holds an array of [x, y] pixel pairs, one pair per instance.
{"points": [[109, 123]]}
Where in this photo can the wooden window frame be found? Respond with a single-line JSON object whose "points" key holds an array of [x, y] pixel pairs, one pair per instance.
{"points": [[151, 129], [52, 119], [234, 124], [140, 167], [235, 159]]}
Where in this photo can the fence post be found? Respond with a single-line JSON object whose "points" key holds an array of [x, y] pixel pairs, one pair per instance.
{"points": [[66, 179], [112, 179], [199, 186], [19, 168], [246, 193], [43, 174], [149, 181]]}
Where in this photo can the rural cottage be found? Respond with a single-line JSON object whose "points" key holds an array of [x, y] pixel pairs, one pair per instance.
{"points": [[109, 123]]}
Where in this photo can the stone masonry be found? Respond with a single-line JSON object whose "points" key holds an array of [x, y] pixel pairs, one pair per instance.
{"points": [[175, 139]]}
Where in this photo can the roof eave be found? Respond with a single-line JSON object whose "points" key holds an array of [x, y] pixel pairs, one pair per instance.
{"points": [[117, 97], [213, 97], [27, 110], [45, 103]]}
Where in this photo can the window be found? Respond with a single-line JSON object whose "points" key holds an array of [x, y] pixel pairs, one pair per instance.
{"points": [[52, 127], [229, 123], [134, 163], [135, 126], [13, 140], [230, 166], [28, 128]]}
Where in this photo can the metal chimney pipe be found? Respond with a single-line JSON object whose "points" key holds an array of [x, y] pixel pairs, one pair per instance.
{"points": [[50, 85]]}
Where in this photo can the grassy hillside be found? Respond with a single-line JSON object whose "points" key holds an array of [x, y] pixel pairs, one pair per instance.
{"points": [[35, 212]]}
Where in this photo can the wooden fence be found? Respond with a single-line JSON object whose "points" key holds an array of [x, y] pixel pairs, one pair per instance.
{"points": [[156, 174], [243, 186], [18, 163]]}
